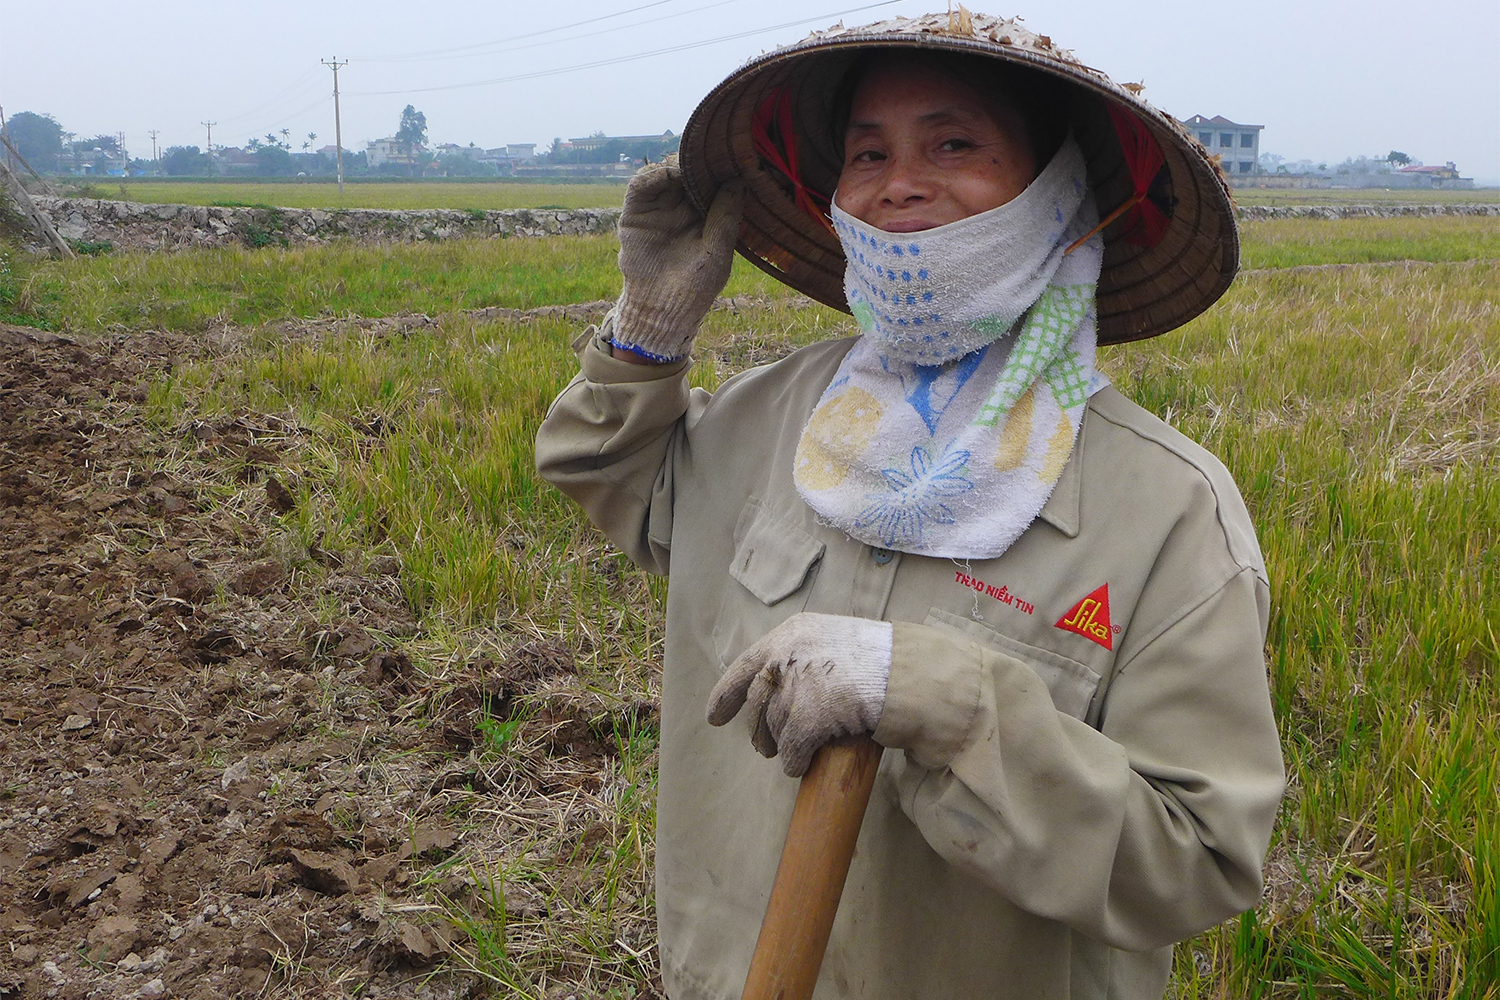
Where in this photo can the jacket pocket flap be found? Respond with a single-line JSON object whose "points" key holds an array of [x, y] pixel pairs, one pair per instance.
{"points": [[773, 558], [1071, 684]]}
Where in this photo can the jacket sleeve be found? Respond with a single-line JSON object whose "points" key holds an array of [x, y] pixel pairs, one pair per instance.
{"points": [[1140, 833], [609, 441]]}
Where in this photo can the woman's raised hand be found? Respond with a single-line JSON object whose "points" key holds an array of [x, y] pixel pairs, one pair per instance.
{"points": [[674, 261]]}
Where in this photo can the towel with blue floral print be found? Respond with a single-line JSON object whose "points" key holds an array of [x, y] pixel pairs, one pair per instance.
{"points": [[950, 420]]}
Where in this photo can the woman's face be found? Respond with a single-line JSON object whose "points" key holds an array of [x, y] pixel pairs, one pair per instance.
{"points": [[924, 149]]}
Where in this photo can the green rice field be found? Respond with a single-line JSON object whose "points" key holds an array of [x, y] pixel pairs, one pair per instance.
{"points": [[540, 193], [1350, 380]]}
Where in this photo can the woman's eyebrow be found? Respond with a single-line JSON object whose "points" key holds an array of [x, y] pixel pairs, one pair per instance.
{"points": [[955, 114]]}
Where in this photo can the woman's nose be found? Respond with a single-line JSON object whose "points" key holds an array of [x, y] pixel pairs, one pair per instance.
{"points": [[907, 179]]}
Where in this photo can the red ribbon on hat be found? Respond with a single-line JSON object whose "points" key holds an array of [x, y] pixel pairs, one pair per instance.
{"points": [[1145, 222], [779, 149]]}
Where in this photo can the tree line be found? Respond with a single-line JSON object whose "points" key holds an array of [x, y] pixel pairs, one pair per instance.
{"points": [[51, 149]]}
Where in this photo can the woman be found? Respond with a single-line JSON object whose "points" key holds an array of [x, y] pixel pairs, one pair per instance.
{"points": [[949, 532]]}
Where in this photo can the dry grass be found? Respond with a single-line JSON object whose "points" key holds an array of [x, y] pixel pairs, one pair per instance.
{"points": [[488, 194]]}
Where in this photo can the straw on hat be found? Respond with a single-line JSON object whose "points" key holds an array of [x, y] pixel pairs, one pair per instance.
{"points": [[1144, 290]]}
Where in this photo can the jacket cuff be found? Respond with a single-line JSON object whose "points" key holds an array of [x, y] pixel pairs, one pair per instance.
{"points": [[932, 697], [600, 366]]}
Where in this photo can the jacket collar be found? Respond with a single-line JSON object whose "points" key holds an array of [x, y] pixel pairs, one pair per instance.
{"points": [[1062, 507]]}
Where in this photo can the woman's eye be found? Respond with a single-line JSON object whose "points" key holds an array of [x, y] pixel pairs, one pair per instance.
{"points": [[951, 145], [867, 156]]}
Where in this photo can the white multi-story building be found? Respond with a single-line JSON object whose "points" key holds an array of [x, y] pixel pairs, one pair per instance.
{"points": [[1238, 146], [388, 150]]}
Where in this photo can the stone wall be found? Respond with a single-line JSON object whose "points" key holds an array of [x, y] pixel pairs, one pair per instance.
{"points": [[129, 225], [133, 226], [1258, 213]]}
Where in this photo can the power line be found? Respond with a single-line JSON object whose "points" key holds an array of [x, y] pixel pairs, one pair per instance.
{"points": [[295, 92], [506, 47], [430, 53], [622, 59], [290, 115]]}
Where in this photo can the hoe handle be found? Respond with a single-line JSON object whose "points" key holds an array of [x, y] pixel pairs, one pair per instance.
{"points": [[814, 861]]}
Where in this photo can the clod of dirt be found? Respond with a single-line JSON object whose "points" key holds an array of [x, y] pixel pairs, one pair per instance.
{"points": [[385, 566], [75, 891], [278, 496], [433, 841], [300, 830], [403, 943], [216, 646], [536, 661], [112, 938], [136, 964], [259, 578], [324, 873], [235, 773], [266, 730], [185, 581], [383, 667]]}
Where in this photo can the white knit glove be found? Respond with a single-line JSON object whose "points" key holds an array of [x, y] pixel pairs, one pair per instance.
{"points": [[809, 680], [674, 261]]}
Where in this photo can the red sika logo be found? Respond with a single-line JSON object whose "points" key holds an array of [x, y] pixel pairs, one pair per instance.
{"points": [[1090, 619]]}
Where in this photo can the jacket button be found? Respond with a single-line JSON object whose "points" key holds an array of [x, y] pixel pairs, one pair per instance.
{"points": [[882, 556]]}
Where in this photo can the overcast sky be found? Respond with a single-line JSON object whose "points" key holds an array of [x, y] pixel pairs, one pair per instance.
{"points": [[1328, 79]]}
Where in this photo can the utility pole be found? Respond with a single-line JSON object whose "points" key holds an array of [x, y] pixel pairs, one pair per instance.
{"points": [[156, 162], [124, 157], [338, 124], [210, 126]]}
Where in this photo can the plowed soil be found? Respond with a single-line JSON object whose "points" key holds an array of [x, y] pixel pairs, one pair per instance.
{"points": [[218, 776]]}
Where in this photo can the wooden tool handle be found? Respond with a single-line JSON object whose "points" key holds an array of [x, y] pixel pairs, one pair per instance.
{"points": [[814, 861]]}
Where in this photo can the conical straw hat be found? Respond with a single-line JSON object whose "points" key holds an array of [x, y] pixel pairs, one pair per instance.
{"points": [[1166, 259]]}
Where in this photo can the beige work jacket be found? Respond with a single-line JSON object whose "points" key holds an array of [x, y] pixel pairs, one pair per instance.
{"points": [[1082, 764]]}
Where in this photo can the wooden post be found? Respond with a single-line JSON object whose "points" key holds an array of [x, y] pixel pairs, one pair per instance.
{"points": [[27, 207], [815, 860]]}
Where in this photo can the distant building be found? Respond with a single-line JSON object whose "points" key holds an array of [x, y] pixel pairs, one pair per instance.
{"points": [[388, 150], [1445, 176], [229, 161], [97, 161], [593, 142], [1238, 146], [1447, 172]]}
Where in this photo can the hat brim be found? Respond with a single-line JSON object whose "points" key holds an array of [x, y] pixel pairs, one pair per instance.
{"points": [[1143, 291]]}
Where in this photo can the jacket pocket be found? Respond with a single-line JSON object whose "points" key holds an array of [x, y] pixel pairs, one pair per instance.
{"points": [[775, 563], [1074, 687]]}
